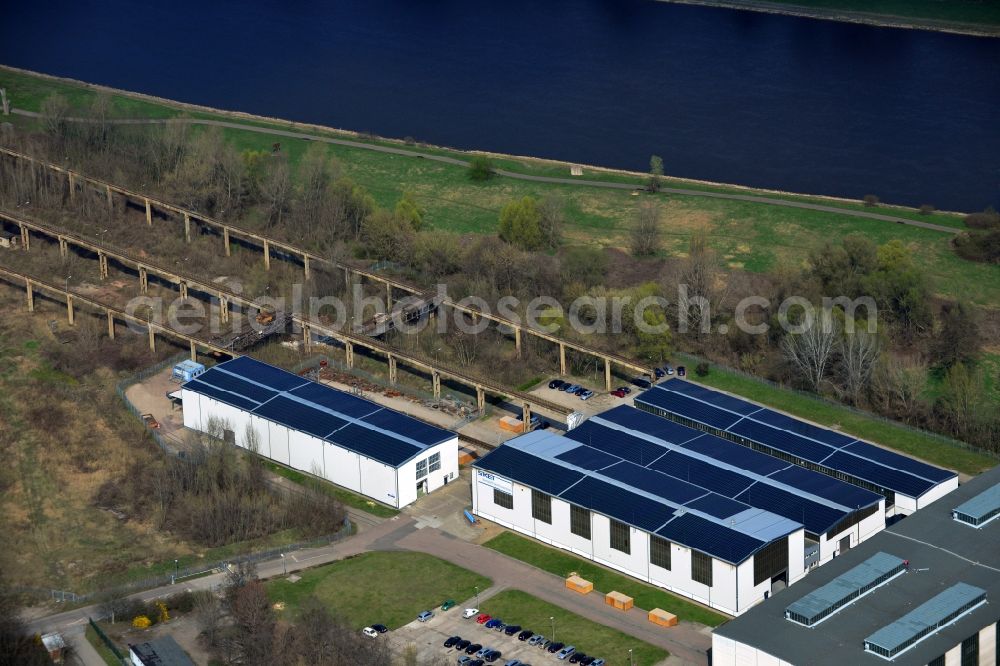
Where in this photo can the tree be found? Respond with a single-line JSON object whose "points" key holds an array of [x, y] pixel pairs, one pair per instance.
{"points": [[55, 110], [520, 224], [552, 219], [655, 173], [388, 236], [959, 339], [645, 237], [812, 350], [252, 637], [871, 200], [480, 168], [652, 345], [276, 190], [408, 209], [859, 353]]}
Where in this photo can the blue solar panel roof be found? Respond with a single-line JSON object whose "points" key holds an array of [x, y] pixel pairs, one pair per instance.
{"points": [[530, 470], [702, 473], [710, 538], [805, 441], [655, 483], [588, 457], [616, 502], [736, 455], [620, 444], [318, 410]]}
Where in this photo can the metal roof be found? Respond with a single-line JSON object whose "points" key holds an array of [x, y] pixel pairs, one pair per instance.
{"points": [[980, 509], [321, 411], [824, 601], [712, 410], [644, 498], [925, 619]]}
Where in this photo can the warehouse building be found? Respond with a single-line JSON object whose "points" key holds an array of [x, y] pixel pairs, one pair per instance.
{"points": [[922, 592], [673, 506], [907, 484], [347, 440]]}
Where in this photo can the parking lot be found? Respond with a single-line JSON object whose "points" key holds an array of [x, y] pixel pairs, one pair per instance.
{"points": [[428, 638]]}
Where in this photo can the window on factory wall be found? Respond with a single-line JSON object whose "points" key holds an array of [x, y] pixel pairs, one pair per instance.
{"points": [[939, 661], [421, 468], [770, 561], [621, 537], [659, 552], [435, 462], [500, 498], [541, 507], [701, 568], [579, 521], [970, 650]]}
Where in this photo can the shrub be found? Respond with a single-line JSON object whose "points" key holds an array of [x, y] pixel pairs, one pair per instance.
{"points": [[480, 168], [988, 219], [141, 622], [871, 200], [927, 209], [701, 369]]}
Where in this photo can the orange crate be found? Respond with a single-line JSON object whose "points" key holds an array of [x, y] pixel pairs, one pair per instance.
{"points": [[662, 617], [618, 600]]}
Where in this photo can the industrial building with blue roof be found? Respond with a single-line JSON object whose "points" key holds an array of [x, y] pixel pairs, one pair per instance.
{"points": [[309, 426], [679, 508]]}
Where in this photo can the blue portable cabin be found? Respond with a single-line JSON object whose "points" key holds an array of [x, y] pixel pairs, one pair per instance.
{"points": [[186, 370]]}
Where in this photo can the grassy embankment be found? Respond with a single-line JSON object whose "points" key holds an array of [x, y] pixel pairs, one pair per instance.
{"points": [[561, 564], [750, 235], [918, 443], [346, 496], [586, 636], [975, 12], [379, 587]]}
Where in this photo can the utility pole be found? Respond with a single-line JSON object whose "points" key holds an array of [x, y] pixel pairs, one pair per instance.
{"points": [[553, 620]]}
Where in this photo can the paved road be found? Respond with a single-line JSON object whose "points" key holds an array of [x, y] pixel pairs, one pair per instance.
{"points": [[752, 198], [686, 642]]}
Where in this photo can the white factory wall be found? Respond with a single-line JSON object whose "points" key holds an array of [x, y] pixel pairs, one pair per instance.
{"points": [[307, 453], [727, 652], [732, 589], [937, 492], [862, 531]]}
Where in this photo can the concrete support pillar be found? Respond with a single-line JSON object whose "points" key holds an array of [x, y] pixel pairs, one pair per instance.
{"points": [[25, 238], [102, 263], [72, 185], [607, 374], [194, 351], [63, 248], [388, 297], [306, 337], [305, 266], [392, 369], [184, 289], [267, 255], [526, 416], [225, 239], [111, 325], [436, 381], [187, 228], [143, 280], [562, 359], [347, 278], [149, 214], [31, 295], [349, 354], [517, 340], [223, 309], [152, 338], [70, 316], [111, 202], [480, 398]]}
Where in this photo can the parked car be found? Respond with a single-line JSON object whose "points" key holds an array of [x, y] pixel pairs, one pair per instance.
{"points": [[660, 374], [556, 383], [452, 641], [569, 388], [545, 644], [513, 662], [469, 612], [426, 615], [586, 395], [581, 390], [476, 662], [369, 632], [482, 652], [448, 605], [483, 618], [566, 652], [555, 647], [618, 393], [681, 371], [587, 661], [577, 658], [597, 662], [464, 660], [380, 628], [493, 655], [474, 648], [462, 644], [624, 389], [641, 383], [669, 369], [536, 639], [525, 635], [512, 629], [493, 622], [499, 626]]}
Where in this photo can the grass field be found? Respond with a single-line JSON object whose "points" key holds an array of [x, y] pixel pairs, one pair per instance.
{"points": [[754, 236], [346, 496], [387, 587], [924, 445], [588, 637], [561, 564]]}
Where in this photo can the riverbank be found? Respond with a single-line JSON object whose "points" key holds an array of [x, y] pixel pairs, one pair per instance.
{"points": [[932, 16]]}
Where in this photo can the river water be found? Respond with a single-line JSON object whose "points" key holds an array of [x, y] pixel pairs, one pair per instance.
{"points": [[770, 101]]}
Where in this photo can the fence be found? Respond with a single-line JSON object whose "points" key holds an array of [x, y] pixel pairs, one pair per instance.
{"points": [[693, 360], [146, 373], [107, 641]]}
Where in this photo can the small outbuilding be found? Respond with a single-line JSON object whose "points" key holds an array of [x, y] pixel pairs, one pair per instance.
{"points": [[160, 652], [9, 240]]}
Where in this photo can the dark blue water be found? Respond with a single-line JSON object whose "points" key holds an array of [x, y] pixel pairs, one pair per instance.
{"points": [[770, 101]]}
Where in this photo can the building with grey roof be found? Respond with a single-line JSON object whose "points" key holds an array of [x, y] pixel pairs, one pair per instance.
{"points": [[925, 591]]}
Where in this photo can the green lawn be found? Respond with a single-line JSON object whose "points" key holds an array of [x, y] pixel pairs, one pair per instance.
{"points": [[349, 498], [387, 587], [924, 445], [588, 637], [561, 564]]}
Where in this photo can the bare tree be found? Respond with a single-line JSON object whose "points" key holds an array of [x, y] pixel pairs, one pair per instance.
{"points": [[812, 350], [899, 384], [645, 237], [55, 110], [276, 190], [552, 220], [700, 290], [859, 353]]}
